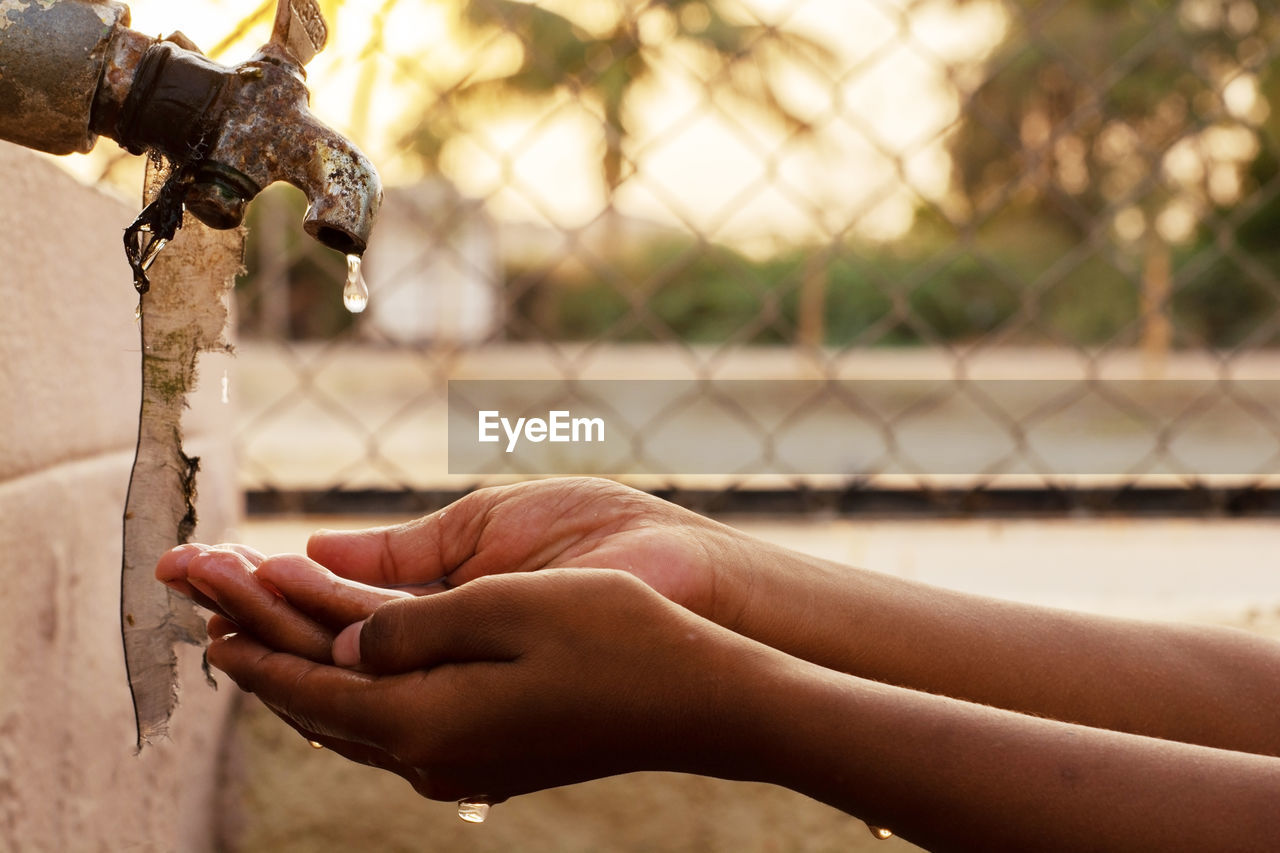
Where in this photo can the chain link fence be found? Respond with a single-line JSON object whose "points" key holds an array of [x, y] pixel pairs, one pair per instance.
{"points": [[816, 190]]}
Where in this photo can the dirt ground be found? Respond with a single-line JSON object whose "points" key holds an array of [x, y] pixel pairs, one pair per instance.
{"points": [[280, 795], [286, 797]]}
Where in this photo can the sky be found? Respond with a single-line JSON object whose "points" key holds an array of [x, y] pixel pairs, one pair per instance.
{"points": [[878, 108]]}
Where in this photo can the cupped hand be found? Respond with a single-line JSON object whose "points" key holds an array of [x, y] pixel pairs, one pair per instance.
{"points": [[518, 682], [287, 601], [561, 523], [292, 604]]}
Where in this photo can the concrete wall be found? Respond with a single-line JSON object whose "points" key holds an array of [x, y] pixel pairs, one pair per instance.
{"points": [[69, 373]]}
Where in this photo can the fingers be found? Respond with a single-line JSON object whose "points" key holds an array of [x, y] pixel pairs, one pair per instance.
{"points": [[360, 753], [221, 626], [465, 684], [325, 701], [312, 590], [471, 779], [227, 578], [521, 527], [171, 570], [331, 600], [370, 756], [472, 623], [418, 552], [383, 556]]}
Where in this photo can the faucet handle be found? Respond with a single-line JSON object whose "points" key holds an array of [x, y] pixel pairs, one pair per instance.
{"points": [[300, 29]]}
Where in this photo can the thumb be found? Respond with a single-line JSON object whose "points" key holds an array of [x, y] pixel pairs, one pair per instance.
{"points": [[471, 623], [381, 556], [421, 551]]}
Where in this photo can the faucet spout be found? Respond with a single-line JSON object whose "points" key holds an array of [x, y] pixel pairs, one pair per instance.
{"points": [[269, 134], [344, 192]]}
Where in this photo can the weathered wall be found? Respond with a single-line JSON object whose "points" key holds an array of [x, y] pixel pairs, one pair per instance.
{"points": [[69, 374]]}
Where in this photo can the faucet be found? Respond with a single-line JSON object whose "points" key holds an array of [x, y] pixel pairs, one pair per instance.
{"points": [[71, 70]]}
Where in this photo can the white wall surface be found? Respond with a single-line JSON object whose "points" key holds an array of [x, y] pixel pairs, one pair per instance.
{"points": [[69, 374]]}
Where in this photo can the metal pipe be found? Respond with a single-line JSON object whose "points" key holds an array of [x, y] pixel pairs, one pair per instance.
{"points": [[51, 59], [71, 70]]}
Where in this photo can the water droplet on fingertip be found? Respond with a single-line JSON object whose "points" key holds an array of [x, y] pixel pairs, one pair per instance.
{"points": [[880, 832]]}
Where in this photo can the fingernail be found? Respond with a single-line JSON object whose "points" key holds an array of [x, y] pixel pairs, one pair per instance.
{"points": [[187, 553], [346, 646], [204, 588]]}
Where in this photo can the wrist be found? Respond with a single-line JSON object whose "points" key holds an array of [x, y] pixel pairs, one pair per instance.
{"points": [[741, 732], [801, 605]]}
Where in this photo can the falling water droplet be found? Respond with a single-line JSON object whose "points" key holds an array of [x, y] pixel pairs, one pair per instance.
{"points": [[473, 811], [355, 295], [226, 387], [315, 744], [880, 832]]}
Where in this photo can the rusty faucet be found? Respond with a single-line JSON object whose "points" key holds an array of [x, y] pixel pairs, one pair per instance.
{"points": [[71, 70]]}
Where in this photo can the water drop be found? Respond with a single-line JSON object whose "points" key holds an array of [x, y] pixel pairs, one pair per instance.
{"points": [[355, 295], [880, 832], [315, 744], [226, 387], [473, 811]]}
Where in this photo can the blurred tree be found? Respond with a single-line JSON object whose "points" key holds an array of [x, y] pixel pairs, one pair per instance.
{"points": [[1124, 123], [604, 65]]}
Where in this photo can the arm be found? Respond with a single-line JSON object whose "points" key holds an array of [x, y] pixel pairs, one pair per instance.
{"points": [[509, 685], [1207, 686], [1203, 685], [951, 775]]}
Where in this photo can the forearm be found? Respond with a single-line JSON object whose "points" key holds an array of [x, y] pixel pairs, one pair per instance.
{"points": [[1209, 686], [953, 775]]}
